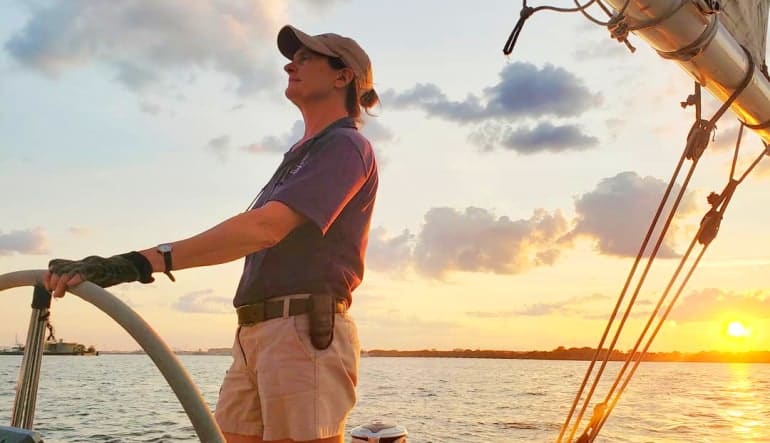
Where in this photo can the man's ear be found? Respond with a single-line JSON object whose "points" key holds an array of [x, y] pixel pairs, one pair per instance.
{"points": [[344, 77]]}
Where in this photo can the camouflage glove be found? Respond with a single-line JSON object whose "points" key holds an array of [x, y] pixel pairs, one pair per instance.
{"points": [[105, 272]]}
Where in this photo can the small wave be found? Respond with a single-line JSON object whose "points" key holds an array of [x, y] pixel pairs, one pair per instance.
{"points": [[516, 425]]}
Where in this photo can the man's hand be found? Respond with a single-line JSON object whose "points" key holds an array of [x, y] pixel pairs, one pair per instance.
{"points": [[104, 272]]}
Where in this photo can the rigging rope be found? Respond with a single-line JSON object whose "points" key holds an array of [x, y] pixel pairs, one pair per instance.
{"points": [[527, 11], [705, 235], [626, 285], [697, 140]]}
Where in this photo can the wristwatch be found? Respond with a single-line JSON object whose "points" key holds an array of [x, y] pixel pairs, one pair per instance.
{"points": [[164, 249]]}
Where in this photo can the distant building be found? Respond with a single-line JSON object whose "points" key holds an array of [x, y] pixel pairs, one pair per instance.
{"points": [[220, 351]]}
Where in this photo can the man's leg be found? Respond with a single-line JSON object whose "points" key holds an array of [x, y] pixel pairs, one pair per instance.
{"points": [[238, 411], [306, 394]]}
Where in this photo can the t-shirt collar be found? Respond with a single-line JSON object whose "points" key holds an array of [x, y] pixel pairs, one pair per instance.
{"points": [[344, 122]]}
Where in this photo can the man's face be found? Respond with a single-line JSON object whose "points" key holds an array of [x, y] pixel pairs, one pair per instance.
{"points": [[310, 77]]}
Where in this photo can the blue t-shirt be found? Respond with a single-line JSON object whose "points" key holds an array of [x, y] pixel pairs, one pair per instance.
{"points": [[331, 179]]}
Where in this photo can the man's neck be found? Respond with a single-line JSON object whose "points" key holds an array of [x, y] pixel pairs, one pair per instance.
{"points": [[317, 118]]}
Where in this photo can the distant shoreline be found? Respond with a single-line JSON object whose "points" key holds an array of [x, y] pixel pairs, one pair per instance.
{"points": [[560, 353], [582, 354]]}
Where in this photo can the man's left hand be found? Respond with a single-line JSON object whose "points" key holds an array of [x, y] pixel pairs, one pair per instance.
{"points": [[104, 272]]}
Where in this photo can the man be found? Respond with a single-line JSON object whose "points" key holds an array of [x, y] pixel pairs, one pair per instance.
{"points": [[296, 351]]}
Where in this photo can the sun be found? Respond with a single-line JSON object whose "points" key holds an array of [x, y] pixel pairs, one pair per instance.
{"points": [[737, 329]]}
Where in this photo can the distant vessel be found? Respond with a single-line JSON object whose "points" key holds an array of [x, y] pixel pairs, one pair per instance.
{"points": [[55, 348]]}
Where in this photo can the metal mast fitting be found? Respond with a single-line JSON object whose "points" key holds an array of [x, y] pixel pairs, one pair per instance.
{"points": [[699, 42]]}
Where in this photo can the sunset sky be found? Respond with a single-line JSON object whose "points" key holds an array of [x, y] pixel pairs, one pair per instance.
{"points": [[514, 191]]}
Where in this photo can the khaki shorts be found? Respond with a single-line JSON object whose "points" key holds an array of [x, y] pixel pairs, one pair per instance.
{"points": [[280, 387]]}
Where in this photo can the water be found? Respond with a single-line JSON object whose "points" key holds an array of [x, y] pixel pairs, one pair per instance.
{"points": [[123, 398]]}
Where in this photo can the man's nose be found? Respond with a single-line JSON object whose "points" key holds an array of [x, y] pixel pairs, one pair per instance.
{"points": [[289, 67]]}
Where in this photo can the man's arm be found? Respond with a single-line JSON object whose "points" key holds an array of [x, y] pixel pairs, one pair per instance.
{"points": [[230, 240]]}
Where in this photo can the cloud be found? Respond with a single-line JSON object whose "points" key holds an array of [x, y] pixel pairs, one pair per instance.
{"points": [[762, 170], [372, 129], [712, 304], [523, 91], [28, 241], [525, 140], [573, 306], [376, 132], [618, 212], [80, 231], [144, 40], [600, 49], [725, 137], [476, 241], [387, 253], [204, 302], [219, 146], [149, 108], [280, 143]]}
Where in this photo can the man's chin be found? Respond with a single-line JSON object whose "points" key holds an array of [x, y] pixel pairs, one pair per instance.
{"points": [[290, 94]]}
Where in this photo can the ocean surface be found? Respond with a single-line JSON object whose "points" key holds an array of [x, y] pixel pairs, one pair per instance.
{"points": [[123, 398]]}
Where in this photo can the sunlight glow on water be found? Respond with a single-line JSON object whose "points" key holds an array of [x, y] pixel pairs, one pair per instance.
{"points": [[121, 398], [746, 403]]}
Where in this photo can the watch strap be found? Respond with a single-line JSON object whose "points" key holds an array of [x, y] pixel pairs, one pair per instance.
{"points": [[167, 262]]}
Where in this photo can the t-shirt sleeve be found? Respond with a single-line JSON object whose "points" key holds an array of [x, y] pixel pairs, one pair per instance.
{"points": [[322, 184]]}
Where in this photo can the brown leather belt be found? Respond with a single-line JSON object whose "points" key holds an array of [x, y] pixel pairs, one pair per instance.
{"points": [[268, 310]]}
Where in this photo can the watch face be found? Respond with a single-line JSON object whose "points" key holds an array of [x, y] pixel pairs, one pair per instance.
{"points": [[165, 247]]}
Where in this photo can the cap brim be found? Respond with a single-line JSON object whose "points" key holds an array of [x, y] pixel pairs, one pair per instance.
{"points": [[290, 39]]}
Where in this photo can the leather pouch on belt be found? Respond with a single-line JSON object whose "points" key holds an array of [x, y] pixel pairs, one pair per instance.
{"points": [[321, 320]]}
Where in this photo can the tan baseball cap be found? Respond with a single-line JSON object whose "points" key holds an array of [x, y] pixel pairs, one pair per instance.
{"points": [[332, 45]]}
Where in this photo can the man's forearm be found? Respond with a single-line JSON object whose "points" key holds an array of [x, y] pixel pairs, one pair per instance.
{"points": [[230, 240]]}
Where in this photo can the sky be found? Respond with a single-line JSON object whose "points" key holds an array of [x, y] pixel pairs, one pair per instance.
{"points": [[514, 191]]}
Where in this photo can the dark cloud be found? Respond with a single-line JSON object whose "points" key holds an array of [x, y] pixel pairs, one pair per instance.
{"points": [[523, 91], [387, 253], [619, 211], [524, 140], [28, 241], [574, 306], [143, 40], [204, 302], [712, 304], [219, 146], [475, 240]]}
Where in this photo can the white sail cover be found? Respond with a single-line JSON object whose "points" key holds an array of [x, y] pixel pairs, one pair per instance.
{"points": [[747, 22]]}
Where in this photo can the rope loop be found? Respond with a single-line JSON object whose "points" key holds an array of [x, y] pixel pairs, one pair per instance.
{"points": [[694, 49], [526, 12]]}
